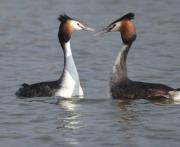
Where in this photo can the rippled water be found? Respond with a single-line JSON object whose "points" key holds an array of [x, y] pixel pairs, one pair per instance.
{"points": [[29, 52]]}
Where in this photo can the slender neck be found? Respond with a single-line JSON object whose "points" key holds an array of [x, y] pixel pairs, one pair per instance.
{"points": [[67, 53], [67, 50], [119, 73], [69, 64], [68, 57]]}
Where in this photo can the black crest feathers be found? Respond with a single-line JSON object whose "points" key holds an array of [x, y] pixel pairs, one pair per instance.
{"points": [[64, 18], [128, 16]]}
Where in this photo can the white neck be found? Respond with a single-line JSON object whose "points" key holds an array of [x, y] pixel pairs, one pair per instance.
{"points": [[67, 47], [70, 85], [119, 73]]}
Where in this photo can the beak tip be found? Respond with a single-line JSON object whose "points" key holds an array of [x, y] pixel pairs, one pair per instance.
{"points": [[101, 32], [91, 29], [86, 28]]}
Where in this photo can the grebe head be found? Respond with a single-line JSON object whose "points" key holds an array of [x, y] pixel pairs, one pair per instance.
{"points": [[68, 26], [72, 24], [125, 26]]}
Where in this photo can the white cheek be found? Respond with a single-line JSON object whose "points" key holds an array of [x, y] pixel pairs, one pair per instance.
{"points": [[117, 27], [76, 27]]}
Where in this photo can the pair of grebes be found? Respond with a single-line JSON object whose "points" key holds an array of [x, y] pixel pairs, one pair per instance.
{"points": [[121, 87]]}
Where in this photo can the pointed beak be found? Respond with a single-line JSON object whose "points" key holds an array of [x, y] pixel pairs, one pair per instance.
{"points": [[88, 29], [102, 31]]}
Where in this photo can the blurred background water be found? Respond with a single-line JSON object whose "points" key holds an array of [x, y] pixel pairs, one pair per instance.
{"points": [[30, 52]]}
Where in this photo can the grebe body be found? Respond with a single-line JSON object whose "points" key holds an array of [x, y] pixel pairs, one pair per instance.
{"points": [[121, 87], [68, 85]]}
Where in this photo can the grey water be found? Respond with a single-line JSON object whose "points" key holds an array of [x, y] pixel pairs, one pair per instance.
{"points": [[30, 52]]}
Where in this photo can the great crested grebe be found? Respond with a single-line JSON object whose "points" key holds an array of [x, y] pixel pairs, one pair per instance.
{"points": [[68, 85], [120, 85]]}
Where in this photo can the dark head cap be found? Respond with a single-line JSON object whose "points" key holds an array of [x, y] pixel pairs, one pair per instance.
{"points": [[63, 18], [128, 16]]}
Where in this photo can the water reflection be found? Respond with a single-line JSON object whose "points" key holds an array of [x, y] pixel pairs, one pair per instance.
{"points": [[70, 123], [128, 113], [68, 104]]}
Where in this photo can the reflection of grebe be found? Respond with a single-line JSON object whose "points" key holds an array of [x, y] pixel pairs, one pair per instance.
{"points": [[68, 104], [68, 85], [121, 85]]}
